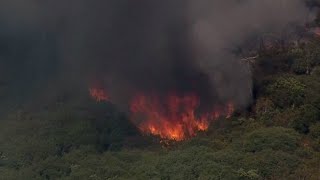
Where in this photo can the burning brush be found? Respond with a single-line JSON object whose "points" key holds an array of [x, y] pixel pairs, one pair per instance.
{"points": [[171, 117]]}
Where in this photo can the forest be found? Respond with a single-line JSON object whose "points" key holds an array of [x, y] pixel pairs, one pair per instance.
{"points": [[66, 134]]}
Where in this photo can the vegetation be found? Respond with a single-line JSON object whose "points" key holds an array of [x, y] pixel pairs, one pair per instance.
{"points": [[277, 138]]}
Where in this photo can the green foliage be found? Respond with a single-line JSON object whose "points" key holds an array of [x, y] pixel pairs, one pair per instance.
{"points": [[307, 115], [315, 130], [301, 66], [276, 138], [273, 164], [309, 169], [264, 106], [315, 135], [111, 127], [284, 117], [286, 91], [305, 58], [251, 174]]}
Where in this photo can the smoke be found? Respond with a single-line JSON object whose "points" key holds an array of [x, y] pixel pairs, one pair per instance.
{"points": [[138, 46], [220, 26]]}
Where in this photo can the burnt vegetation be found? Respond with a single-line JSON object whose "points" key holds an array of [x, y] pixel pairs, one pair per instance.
{"points": [[65, 134]]}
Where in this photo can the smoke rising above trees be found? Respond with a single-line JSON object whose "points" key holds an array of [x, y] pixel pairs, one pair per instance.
{"points": [[142, 45]]}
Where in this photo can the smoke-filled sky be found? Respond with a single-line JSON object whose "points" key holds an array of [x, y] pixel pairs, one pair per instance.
{"points": [[135, 45]]}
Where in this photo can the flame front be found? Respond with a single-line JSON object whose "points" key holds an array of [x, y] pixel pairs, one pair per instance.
{"points": [[171, 117]]}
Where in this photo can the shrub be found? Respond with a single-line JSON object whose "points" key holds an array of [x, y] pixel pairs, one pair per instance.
{"points": [[275, 138], [286, 91]]}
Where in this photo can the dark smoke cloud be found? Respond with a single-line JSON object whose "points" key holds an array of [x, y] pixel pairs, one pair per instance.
{"points": [[140, 45]]}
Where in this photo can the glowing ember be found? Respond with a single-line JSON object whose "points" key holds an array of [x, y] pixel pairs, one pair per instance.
{"points": [[172, 117], [98, 94]]}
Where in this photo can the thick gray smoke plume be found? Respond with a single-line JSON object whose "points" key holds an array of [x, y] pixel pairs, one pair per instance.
{"points": [[131, 46]]}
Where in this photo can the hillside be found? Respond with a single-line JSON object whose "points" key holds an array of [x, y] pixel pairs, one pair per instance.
{"points": [[277, 137], [168, 90]]}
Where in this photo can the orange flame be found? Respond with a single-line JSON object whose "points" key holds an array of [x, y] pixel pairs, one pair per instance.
{"points": [[173, 117], [98, 94]]}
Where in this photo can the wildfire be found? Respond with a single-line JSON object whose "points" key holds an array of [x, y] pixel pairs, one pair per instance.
{"points": [[171, 117], [98, 94]]}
